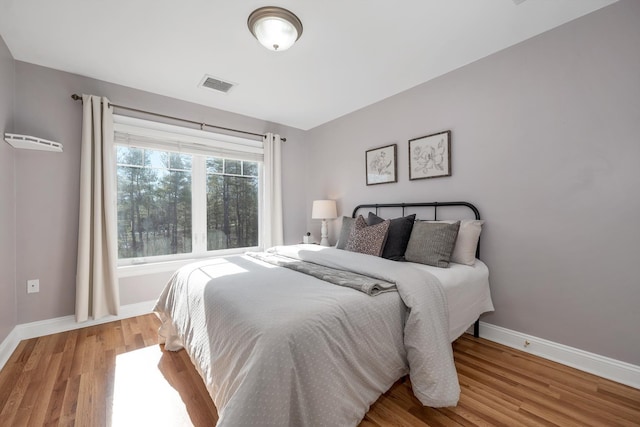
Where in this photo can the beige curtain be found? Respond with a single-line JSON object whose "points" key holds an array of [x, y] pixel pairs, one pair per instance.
{"points": [[272, 229], [97, 292]]}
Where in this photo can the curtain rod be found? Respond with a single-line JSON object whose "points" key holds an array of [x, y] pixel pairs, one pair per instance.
{"points": [[77, 97]]}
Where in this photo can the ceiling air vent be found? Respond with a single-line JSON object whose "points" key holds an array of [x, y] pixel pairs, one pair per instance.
{"points": [[216, 84]]}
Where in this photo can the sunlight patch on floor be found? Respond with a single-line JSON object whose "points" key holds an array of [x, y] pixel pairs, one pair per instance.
{"points": [[142, 396]]}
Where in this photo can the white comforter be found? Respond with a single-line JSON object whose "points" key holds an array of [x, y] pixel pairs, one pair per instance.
{"points": [[277, 347]]}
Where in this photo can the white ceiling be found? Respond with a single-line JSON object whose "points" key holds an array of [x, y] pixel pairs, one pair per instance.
{"points": [[352, 53]]}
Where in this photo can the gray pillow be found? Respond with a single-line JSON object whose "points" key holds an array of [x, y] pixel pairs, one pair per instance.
{"points": [[432, 243], [367, 239], [345, 231]]}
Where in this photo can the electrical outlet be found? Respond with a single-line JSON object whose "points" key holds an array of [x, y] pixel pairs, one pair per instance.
{"points": [[33, 286]]}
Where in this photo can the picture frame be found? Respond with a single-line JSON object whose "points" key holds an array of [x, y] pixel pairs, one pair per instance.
{"points": [[382, 165], [430, 156]]}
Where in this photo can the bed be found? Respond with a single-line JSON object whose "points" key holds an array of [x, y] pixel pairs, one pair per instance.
{"points": [[283, 338]]}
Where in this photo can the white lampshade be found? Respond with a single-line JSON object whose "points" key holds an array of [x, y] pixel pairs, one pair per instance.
{"points": [[324, 209], [275, 28]]}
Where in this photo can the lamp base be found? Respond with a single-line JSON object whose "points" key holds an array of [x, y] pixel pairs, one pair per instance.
{"points": [[324, 234]]}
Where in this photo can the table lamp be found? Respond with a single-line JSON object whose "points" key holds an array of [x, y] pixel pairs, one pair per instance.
{"points": [[324, 210]]}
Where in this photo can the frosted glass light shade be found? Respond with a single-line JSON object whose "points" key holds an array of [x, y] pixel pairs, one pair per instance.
{"points": [[275, 28], [324, 209]]}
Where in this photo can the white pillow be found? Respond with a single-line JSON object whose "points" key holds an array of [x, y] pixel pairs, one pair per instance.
{"points": [[464, 252]]}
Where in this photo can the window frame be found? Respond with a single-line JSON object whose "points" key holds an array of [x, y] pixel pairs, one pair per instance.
{"points": [[200, 145]]}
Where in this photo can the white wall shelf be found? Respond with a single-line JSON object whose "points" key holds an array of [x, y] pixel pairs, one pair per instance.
{"points": [[32, 143]]}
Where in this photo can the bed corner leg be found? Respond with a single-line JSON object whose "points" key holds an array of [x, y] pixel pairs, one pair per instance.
{"points": [[476, 329]]}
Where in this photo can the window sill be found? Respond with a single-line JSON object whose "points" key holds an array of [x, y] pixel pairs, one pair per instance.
{"points": [[133, 270]]}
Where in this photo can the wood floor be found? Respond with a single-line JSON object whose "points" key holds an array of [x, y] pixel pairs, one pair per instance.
{"points": [[116, 375]]}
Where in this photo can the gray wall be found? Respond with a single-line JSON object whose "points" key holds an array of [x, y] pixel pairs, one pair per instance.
{"points": [[48, 183], [8, 316], [546, 142]]}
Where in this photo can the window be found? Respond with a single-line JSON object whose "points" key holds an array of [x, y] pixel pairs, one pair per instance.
{"points": [[181, 195], [232, 203]]}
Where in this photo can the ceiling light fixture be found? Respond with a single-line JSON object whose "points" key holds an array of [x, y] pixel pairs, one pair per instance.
{"points": [[275, 28]]}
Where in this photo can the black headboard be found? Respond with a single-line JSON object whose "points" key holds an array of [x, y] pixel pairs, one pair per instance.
{"points": [[434, 205]]}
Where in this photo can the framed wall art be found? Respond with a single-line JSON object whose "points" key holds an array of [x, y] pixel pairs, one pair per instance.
{"points": [[381, 165], [430, 156]]}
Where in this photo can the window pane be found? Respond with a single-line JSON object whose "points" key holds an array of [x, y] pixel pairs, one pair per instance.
{"points": [[130, 156], [179, 161], [232, 209], [249, 168], [154, 204], [233, 167], [215, 165]]}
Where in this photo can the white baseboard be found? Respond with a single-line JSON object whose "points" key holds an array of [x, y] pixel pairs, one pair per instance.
{"points": [[61, 324], [605, 367], [8, 346]]}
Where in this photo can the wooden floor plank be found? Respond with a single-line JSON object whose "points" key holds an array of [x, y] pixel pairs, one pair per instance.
{"points": [[68, 379], [54, 410], [70, 401], [45, 391], [84, 408], [78, 353]]}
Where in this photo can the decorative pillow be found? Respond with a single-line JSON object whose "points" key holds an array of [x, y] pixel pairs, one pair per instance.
{"points": [[367, 239], [398, 236], [432, 243], [345, 231], [464, 251]]}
